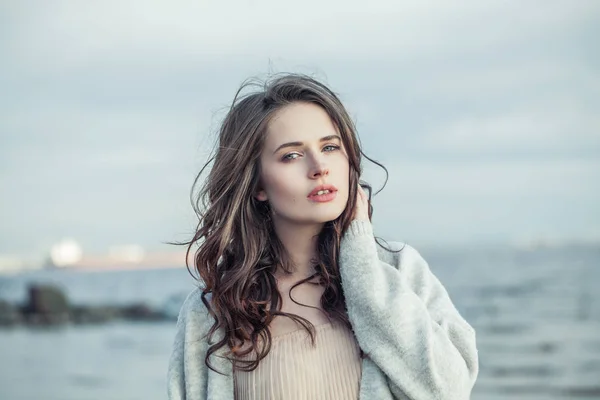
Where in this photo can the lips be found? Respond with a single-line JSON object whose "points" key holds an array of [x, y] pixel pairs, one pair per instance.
{"points": [[316, 190]]}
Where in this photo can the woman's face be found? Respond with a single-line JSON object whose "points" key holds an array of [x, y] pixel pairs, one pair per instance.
{"points": [[302, 151]]}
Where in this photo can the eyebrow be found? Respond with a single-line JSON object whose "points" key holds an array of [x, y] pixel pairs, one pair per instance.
{"points": [[298, 144]]}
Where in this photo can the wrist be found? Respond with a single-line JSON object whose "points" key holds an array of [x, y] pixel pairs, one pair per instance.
{"points": [[360, 227]]}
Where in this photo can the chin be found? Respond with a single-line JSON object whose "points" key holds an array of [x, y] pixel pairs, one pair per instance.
{"points": [[332, 215]]}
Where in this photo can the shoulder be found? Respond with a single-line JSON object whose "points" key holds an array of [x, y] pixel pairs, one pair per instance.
{"points": [[194, 315], [400, 254], [193, 301], [411, 265]]}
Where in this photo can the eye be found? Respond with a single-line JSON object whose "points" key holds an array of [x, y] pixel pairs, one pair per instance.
{"points": [[292, 156], [288, 157]]}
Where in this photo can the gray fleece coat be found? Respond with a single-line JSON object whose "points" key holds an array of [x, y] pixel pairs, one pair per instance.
{"points": [[417, 345]]}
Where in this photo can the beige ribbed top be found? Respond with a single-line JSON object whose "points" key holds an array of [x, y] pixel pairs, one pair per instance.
{"points": [[294, 369]]}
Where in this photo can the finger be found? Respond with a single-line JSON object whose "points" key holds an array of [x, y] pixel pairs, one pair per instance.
{"points": [[362, 192]]}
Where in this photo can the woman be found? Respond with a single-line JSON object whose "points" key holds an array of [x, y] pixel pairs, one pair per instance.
{"points": [[297, 299]]}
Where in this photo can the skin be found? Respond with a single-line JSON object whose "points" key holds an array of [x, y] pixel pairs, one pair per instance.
{"points": [[288, 175]]}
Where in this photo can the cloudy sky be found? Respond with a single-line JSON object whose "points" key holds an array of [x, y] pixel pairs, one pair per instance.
{"points": [[486, 114]]}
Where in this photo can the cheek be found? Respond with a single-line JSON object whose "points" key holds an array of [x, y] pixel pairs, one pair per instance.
{"points": [[344, 172], [346, 183], [280, 186]]}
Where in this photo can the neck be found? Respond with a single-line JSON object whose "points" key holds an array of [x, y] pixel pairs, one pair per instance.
{"points": [[300, 241]]}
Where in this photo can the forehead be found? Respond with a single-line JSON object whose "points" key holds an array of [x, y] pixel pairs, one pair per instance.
{"points": [[299, 122]]}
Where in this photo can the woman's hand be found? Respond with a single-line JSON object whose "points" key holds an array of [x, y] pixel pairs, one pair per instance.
{"points": [[361, 211]]}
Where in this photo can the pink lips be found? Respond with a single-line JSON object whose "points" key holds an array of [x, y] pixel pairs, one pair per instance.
{"points": [[331, 188], [322, 198]]}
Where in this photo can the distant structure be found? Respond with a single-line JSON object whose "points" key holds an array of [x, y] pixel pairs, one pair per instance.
{"points": [[66, 253], [10, 263], [132, 253]]}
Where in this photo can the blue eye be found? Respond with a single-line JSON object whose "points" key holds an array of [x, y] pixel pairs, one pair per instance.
{"points": [[292, 156], [288, 157]]}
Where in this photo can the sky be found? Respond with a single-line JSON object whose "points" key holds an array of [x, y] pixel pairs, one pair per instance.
{"points": [[486, 114]]}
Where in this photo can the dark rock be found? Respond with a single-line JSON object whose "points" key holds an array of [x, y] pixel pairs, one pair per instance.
{"points": [[94, 315], [9, 314], [46, 299], [142, 312], [47, 305], [592, 392], [46, 319]]}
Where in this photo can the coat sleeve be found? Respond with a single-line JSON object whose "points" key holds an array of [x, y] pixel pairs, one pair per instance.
{"points": [[187, 373], [405, 321]]}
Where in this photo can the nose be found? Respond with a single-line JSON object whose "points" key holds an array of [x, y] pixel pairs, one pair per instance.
{"points": [[319, 169]]}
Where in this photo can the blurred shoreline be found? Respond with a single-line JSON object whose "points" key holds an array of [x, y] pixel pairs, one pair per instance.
{"points": [[536, 313]]}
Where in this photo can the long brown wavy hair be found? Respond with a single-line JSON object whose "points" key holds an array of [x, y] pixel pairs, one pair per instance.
{"points": [[237, 249]]}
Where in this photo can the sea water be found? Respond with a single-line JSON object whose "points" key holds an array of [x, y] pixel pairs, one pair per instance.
{"points": [[536, 313]]}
